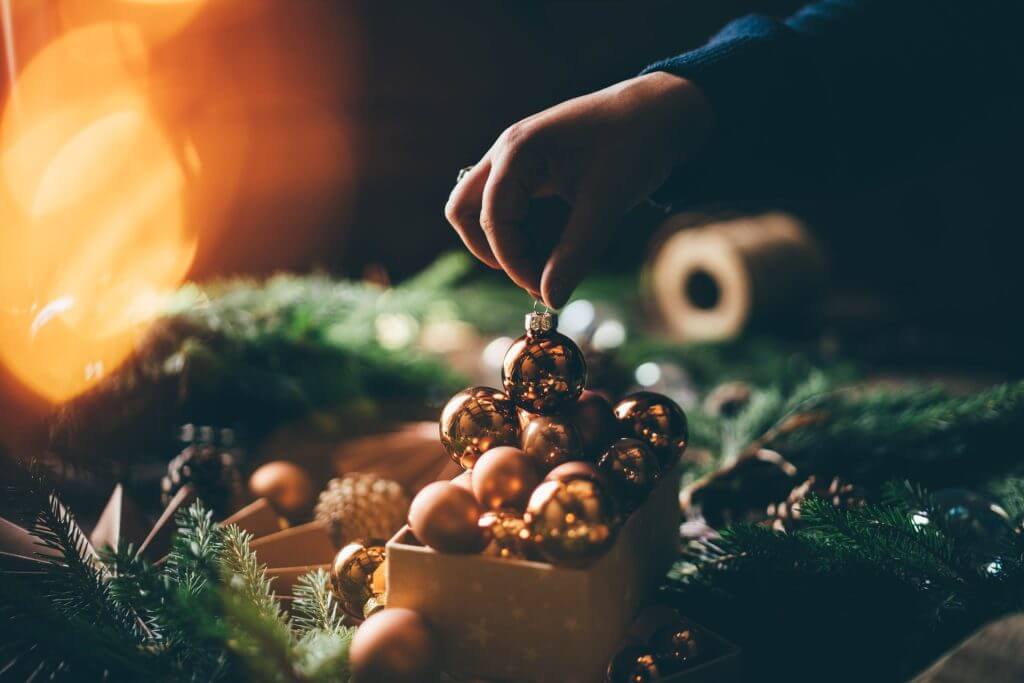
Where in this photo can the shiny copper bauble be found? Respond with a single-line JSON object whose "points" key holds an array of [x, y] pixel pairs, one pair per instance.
{"points": [[676, 645], [549, 441], [572, 522], [577, 469], [658, 421], [395, 645], [595, 422], [444, 516], [510, 538], [631, 470], [544, 373], [633, 664], [357, 575], [285, 485], [503, 478], [476, 420]]}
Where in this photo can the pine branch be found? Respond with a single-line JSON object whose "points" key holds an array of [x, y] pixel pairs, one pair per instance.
{"points": [[314, 607], [246, 576]]}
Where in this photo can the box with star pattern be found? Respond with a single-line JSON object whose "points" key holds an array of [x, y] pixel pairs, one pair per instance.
{"points": [[516, 620]]}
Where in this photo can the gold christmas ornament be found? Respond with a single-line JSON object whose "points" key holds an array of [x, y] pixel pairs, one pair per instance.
{"points": [[631, 470], [676, 645], [444, 516], [474, 421], [396, 645], [594, 421], [543, 371], [362, 505], [571, 522], [504, 478], [510, 538], [357, 575], [286, 485], [657, 421], [550, 441], [633, 664]]}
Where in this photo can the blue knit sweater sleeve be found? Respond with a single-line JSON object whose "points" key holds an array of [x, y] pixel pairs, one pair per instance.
{"points": [[848, 92]]}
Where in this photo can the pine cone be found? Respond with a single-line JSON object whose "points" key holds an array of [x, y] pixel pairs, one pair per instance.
{"points": [[785, 516], [362, 506], [210, 464]]}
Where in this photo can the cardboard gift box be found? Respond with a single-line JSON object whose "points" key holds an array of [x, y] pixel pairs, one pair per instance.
{"points": [[516, 620]]}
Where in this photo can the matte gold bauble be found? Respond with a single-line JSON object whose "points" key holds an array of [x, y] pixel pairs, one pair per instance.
{"points": [[543, 371], [657, 421], [464, 480], [549, 441], [595, 422], [357, 575], [476, 420], [633, 664], [395, 645], [444, 516], [576, 469], [510, 538], [503, 478], [285, 485], [676, 645], [571, 522], [631, 470]]}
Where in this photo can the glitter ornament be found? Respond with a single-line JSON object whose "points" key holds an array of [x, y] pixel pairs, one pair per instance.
{"points": [[362, 505], [543, 371], [571, 522], [510, 538]]}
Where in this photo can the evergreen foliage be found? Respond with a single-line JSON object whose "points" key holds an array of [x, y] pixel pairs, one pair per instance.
{"points": [[208, 614]]}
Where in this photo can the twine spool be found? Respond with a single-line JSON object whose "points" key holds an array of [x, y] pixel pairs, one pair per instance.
{"points": [[712, 281]]}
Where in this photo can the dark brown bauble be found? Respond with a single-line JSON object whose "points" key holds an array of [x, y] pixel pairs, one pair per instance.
{"points": [[357, 575], [549, 441], [476, 420], [595, 422], [395, 645], [633, 664], [576, 469], [676, 645], [285, 485], [503, 478], [631, 470], [444, 516], [572, 522], [543, 371], [510, 538], [657, 421]]}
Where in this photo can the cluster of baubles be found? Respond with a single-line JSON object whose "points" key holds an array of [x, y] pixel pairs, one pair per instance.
{"points": [[551, 468], [672, 647]]}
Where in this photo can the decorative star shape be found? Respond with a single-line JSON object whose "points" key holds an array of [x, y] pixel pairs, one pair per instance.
{"points": [[479, 633]]}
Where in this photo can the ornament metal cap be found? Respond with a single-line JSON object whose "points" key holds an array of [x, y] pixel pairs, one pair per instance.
{"points": [[541, 322]]}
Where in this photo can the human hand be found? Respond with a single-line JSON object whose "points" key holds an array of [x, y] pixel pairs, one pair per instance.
{"points": [[603, 153]]}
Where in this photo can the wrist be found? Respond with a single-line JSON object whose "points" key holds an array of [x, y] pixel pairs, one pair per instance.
{"points": [[686, 109]]}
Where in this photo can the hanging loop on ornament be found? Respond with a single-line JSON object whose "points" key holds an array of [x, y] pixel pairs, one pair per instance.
{"points": [[539, 322]]}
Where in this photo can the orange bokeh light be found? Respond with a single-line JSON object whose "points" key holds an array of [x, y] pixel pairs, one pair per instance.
{"points": [[93, 234]]}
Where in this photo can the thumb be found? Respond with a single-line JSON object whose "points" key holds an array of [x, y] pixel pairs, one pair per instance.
{"points": [[594, 216]]}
